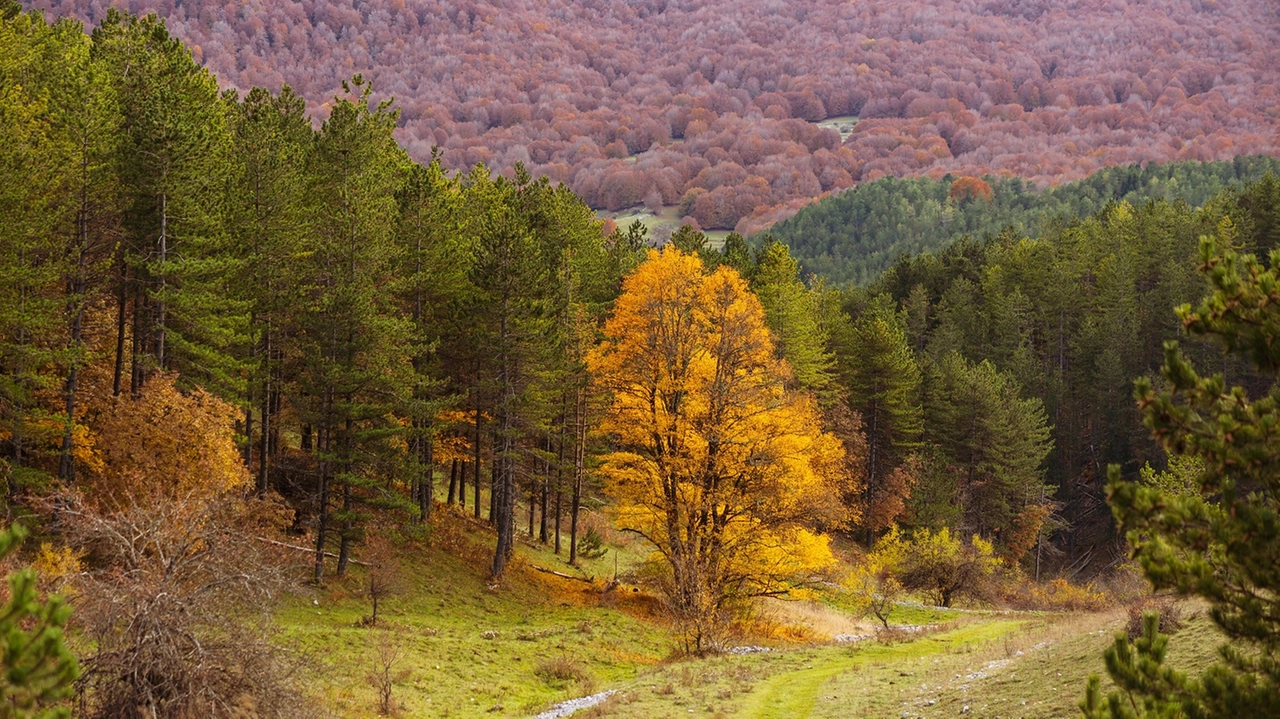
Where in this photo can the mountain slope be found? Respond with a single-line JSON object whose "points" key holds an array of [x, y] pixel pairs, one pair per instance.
{"points": [[719, 103], [856, 235]]}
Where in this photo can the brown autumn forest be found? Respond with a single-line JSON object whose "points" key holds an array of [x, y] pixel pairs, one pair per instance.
{"points": [[740, 112]]}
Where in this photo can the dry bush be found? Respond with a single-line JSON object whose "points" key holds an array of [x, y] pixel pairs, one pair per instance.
{"points": [[1168, 607], [164, 443], [1126, 583], [388, 653], [564, 670], [173, 600], [385, 576], [604, 528], [1056, 595]]}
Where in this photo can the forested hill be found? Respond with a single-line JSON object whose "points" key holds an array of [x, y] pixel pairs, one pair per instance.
{"points": [[853, 237], [746, 108]]}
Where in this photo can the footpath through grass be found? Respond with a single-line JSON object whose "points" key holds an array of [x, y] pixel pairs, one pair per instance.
{"points": [[1021, 665], [470, 649]]}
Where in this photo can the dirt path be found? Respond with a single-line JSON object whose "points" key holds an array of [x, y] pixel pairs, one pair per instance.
{"points": [[799, 693]]}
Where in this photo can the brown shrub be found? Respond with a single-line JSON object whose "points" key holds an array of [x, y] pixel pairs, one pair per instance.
{"points": [[172, 600], [563, 670], [1168, 607]]}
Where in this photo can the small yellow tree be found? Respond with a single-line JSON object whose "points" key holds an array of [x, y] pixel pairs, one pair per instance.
{"points": [[873, 584], [717, 464]]}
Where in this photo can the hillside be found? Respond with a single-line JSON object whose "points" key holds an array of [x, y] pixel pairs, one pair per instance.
{"points": [[853, 237], [470, 649], [740, 112]]}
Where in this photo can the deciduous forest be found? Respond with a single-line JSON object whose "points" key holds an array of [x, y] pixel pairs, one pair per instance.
{"points": [[266, 364], [740, 112]]}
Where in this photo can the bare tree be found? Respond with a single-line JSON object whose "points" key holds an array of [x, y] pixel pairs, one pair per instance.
{"points": [[388, 652], [174, 603], [384, 573]]}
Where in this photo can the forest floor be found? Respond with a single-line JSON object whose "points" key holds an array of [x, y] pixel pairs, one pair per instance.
{"points": [[469, 648]]}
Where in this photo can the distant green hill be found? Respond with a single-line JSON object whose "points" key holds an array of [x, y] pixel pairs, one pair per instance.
{"points": [[854, 236]]}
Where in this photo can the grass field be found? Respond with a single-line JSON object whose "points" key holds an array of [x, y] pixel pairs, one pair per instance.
{"points": [[474, 649], [470, 648]]}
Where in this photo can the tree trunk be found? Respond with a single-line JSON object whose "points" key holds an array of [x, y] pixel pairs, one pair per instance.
{"points": [[533, 505], [122, 298], [546, 486], [453, 480], [344, 538], [559, 480], [477, 448], [322, 515], [344, 542], [580, 436], [426, 495], [264, 447], [76, 289], [495, 470], [248, 411], [161, 306], [462, 485], [135, 359], [503, 493]]}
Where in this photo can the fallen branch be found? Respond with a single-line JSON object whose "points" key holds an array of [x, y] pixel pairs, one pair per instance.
{"points": [[562, 575], [311, 550]]}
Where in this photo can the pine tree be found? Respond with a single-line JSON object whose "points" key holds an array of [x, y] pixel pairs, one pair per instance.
{"points": [[174, 164], [86, 114], [352, 340], [39, 670], [882, 379], [268, 207], [34, 169], [791, 312], [994, 444], [432, 265], [1221, 543]]}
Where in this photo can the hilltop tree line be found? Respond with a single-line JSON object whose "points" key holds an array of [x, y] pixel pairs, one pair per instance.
{"points": [[715, 104], [855, 236]]}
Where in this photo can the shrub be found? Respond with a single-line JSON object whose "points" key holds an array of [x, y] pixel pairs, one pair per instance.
{"points": [[1056, 595], [592, 546], [1167, 607], [167, 602], [944, 567], [873, 585], [563, 670]]}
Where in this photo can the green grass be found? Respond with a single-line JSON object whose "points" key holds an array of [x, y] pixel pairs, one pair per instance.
{"points": [[795, 683], [1023, 665], [470, 649], [473, 649]]}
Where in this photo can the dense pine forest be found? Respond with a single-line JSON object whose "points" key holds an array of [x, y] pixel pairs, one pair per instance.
{"points": [[856, 235], [249, 351]]}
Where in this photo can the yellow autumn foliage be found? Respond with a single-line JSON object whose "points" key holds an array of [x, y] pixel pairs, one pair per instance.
{"points": [[165, 443], [717, 464]]}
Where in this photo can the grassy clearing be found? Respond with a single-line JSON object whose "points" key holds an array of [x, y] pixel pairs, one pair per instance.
{"points": [[666, 218], [795, 683], [843, 124], [1022, 665], [469, 648]]}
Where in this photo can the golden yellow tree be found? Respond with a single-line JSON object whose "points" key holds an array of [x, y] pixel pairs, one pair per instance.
{"points": [[717, 464]]}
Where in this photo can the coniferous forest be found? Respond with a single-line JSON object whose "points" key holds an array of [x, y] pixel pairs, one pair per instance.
{"points": [[266, 370]]}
